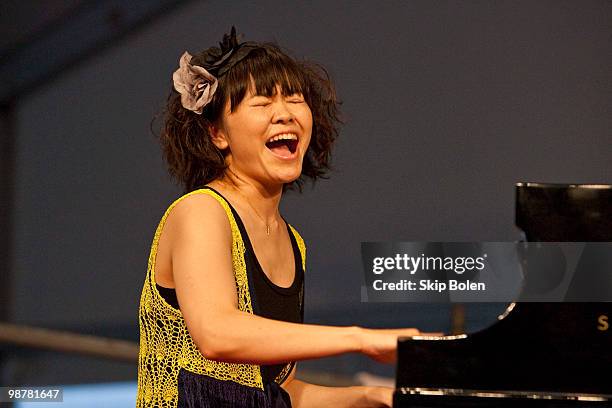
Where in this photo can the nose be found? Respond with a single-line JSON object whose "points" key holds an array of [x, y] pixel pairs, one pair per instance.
{"points": [[282, 112]]}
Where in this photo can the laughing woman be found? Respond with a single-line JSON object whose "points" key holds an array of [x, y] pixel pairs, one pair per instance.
{"points": [[222, 306]]}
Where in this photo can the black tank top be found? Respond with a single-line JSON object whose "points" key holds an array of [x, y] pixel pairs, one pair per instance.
{"points": [[268, 299]]}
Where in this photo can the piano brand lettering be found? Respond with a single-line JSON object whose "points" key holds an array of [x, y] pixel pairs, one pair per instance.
{"points": [[603, 324], [412, 264]]}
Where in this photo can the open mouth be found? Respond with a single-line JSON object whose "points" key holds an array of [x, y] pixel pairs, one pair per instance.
{"points": [[283, 145]]}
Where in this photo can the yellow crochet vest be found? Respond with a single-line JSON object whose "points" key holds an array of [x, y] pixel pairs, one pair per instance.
{"points": [[165, 343]]}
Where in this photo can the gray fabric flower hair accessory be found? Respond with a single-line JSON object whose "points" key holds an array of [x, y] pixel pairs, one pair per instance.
{"points": [[196, 79], [196, 85]]}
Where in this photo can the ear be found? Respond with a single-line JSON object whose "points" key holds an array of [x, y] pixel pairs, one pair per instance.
{"points": [[218, 137]]}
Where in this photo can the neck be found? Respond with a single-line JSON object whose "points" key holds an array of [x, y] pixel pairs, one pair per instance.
{"points": [[264, 199]]}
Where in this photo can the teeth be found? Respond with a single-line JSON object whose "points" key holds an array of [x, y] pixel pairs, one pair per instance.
{"points": [[283, 136]]}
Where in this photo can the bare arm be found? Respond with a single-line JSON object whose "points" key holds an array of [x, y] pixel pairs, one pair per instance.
{"points": [[200, 245], [306, 395]]}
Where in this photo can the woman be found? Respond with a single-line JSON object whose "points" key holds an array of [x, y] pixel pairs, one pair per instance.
{"points": [[222, 307]]}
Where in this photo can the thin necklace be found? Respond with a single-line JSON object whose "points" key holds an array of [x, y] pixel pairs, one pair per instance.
{"points": [[256, 212]]}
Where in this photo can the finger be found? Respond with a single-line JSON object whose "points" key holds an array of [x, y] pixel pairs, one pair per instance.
{"points": [[403, 332], [432, 334]]}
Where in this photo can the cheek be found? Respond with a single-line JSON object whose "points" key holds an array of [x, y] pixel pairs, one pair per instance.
{"points": [[255, 121], [306, 119], [248, 128], [308, 133]]}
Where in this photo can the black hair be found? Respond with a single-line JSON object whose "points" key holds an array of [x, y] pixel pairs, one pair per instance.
{"points": [[193, 160]]}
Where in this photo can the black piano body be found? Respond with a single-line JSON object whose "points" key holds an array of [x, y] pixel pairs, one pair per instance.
{"points": [[536, 354]]}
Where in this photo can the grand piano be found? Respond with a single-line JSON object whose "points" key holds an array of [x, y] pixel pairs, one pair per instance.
{"points": [[536, 354]]}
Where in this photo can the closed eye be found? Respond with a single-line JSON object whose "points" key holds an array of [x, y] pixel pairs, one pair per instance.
{"points": [[261, 101], [295, 98]]}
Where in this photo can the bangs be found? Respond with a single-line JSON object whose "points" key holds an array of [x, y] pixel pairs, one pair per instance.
{"points": [[264, 68]]}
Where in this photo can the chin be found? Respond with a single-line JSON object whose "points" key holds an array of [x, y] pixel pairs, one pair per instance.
{"points": [[288, 174], [288, 178]]}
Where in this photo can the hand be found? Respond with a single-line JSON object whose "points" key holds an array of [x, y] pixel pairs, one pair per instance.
{"points": [[381, 344]]}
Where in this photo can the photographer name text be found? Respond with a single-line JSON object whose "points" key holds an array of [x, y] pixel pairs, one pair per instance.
{"points": [[428, 285]]}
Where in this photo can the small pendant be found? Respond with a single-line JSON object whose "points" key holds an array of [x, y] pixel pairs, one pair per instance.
{"points": [[267, 230]]}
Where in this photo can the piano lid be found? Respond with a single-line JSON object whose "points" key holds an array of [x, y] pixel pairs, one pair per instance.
{"points": [[542, 348], [564, 212]]}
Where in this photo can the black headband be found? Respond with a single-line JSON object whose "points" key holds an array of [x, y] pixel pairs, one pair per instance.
{"points": [[218, 60]]}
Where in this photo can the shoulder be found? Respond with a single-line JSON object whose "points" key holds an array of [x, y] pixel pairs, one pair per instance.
{"points": [[196, 213], [198, 201]]}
